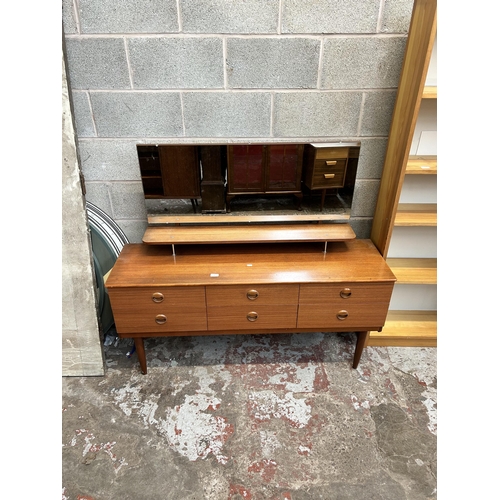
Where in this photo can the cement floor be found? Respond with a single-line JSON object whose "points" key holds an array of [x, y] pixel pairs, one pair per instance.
{"points": [[275, 417]]}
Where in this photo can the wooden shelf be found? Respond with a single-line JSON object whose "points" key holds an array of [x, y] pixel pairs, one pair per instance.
{"points": [[430, 92], [421, 165], [414, 271], [162, 220], [416, 214], [407, 329], [256, 233]]}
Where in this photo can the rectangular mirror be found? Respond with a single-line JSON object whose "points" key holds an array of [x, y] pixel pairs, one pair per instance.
{"points": [[249, 179]]}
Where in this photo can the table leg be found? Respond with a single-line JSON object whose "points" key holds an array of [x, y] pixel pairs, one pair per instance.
{"points": [[141, 353], [323, 195], [360, 345]]}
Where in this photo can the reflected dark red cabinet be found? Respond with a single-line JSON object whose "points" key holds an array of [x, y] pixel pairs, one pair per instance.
{"points": [[264, 169]]}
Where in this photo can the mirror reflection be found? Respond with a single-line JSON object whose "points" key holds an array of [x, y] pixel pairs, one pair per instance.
{"points": [[249, 179]]}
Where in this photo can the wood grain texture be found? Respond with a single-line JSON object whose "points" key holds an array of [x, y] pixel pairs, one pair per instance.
{"points": [[407, 328], [421, 165], [231, 219], [135, 311], [146, 265], [414, 271], [235, 317], [430, 92], [274, 233], [419, 45], [416, 214], [268, 295]]}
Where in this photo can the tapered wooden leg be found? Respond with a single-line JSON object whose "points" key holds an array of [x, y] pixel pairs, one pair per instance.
{"points": [[141, 353], [360, 345]]}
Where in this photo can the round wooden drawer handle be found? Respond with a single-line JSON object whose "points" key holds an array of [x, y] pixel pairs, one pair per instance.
{"points": [[345, 293], [252, 294], [157, 297], [342, 315], [161, 319], [252, 316]]}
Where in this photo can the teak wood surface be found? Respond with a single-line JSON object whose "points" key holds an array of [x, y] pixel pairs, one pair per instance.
{"points": [[245, 289], [155, 265], [421, 35], [156, 219], [248, 234]]}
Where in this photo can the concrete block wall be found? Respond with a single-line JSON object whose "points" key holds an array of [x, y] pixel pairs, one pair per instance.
{"points": [[229, 71]]}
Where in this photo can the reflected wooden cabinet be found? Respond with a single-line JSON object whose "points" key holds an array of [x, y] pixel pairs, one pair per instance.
{"points": [[170, 172], [325, 168], [264, 169]]}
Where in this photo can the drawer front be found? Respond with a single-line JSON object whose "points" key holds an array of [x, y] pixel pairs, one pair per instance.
{"points": [[340, 294], [252, 296], [327, 153], [342, 305], [159, 310], [353, 316], [329, 173], [252, 317]]}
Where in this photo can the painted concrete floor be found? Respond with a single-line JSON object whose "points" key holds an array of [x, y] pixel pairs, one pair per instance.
{"points": [[274, 417]]}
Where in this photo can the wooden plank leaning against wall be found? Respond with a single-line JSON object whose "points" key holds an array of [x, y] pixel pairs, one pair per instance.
{"points": [[406, 328]]}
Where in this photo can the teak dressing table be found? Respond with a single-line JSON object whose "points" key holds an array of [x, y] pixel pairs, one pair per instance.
{"points": [[249, 278]]}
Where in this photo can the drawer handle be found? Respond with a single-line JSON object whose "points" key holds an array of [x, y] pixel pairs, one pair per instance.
{"points": [[329, 176], [157, 297], [342, 315], [252, 316], [330, 163], [252, 294], [161, 319], [345, 293]]}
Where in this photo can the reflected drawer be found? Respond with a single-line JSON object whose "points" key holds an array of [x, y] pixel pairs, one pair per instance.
{"points": [[328, 173], [327, 153]]}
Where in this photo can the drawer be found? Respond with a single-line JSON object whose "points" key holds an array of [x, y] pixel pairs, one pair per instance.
{"points": [[340, 294], [252, 317], [159, 310], [329, 173], [220, 296], [344, 305], [351, 316], [331, 153]]}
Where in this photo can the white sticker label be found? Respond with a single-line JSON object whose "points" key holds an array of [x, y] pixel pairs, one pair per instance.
{"points": [[214, 275]]}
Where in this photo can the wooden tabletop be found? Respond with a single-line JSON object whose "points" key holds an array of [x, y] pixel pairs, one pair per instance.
{"points": [[142, 265]]}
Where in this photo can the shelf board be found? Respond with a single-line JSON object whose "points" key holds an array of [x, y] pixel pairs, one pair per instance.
{"points": [[430, 92], [421, 165], [416, 214], [163, 220], [414, 271], [407, 329], [256, 233]]}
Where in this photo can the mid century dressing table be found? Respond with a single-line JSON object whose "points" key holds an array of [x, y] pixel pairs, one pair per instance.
{"points": [[249, 278]]}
